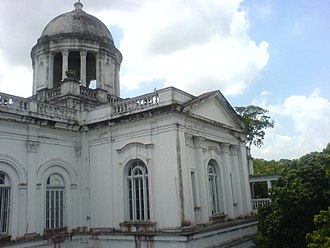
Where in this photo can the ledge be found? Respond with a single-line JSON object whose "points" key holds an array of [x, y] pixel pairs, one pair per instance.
{"points": [[55, 231], [218, 218], [138, 226]]}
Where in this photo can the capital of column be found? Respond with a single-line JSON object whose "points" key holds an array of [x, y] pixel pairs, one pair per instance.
{"points": [[199, 141], [224, 147], [83, 53], [188, 138], [32, 146], [234, 149], [65, 53]]}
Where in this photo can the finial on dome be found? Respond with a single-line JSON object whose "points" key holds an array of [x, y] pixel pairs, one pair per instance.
{"points": [[78, 5]]}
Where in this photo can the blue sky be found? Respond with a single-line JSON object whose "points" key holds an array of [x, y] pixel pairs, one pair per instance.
{"points": [[274, 54], [298, 34]]}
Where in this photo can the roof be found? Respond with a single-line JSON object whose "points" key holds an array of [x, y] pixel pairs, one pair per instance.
{"points": [[77, 22]]}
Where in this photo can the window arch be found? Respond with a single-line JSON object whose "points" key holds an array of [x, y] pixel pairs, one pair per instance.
{"points": [[213, 181], [55, 202], [5, 186], [138, 191]]}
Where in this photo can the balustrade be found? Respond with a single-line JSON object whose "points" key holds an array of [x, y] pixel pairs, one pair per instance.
{"points": [[13, 102], [53, 93], [259, 202], [136, 103], [87, 92]]}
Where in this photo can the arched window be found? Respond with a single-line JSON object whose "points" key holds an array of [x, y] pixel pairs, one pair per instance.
{"points": [[55, 204], [213, 188], [4, 202], [138, 192]]}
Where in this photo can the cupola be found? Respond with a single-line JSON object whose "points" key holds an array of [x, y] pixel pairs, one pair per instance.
{"points": [[76, 41]]}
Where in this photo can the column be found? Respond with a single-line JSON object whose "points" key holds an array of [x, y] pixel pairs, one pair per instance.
{"points": [[32, 149], [269, 184], [50, 66], [98, 74], [116, 83], [34, 86], [83, 68], [238, 205], [224, 147], [65, 62]]}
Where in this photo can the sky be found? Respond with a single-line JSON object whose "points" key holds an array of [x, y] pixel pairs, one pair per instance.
{"points": [[274, 54]]}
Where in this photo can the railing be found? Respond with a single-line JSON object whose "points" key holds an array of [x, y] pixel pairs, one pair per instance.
{"points": [[113, 99], [53, 93], [87, 92], [36, 105], [13, 102], [136, 103], [26, 106], [259, 202]]}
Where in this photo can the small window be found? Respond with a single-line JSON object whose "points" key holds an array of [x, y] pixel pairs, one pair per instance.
{"points": [[55, 203], [138, 192], [4, 203]]}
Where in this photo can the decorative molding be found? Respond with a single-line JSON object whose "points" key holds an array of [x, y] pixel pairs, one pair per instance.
{"points": [[32, 146], [214, 148], [135, 144]]}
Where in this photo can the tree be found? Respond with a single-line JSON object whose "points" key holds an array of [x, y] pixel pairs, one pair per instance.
{"points": [[296, 197], [255, 120], [320, 238], [264, 167]]}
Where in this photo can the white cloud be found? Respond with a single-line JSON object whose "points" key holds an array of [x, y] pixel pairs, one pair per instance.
{"points": [[193, 45], [302, 125]]}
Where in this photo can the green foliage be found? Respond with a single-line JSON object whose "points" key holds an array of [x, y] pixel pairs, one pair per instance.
{"points": [[264, 167], [259, 190], [255, 120], [297, 196], [320, 238]]}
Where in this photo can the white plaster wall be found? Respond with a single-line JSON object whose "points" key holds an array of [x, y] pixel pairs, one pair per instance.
{"points": [[92, 164], [54, 153]]}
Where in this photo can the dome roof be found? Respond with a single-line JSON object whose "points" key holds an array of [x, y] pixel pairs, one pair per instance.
{"points": [[77, 22]]}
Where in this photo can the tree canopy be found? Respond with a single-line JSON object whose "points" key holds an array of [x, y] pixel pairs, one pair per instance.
{"points": [[256, 121], [299, 194], [265, 167]]}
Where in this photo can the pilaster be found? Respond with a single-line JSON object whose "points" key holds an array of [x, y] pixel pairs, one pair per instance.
{"points": [[225, 150], [202, 184], [32, 148], [237, 193]]}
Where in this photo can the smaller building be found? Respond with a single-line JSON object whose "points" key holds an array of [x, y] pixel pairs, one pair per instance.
{"points": [[260, 186]]}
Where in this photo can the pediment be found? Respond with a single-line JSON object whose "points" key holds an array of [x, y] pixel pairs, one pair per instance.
{"points": [[213, 106]]}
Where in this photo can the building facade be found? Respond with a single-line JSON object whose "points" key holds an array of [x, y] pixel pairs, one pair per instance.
{"points": [[82, 167]]}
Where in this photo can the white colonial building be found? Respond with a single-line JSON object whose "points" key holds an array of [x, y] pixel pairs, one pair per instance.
{"points": [[82, 167]]}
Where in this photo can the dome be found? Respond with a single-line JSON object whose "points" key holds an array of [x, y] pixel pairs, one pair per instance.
{"points": [[77, 22]]}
